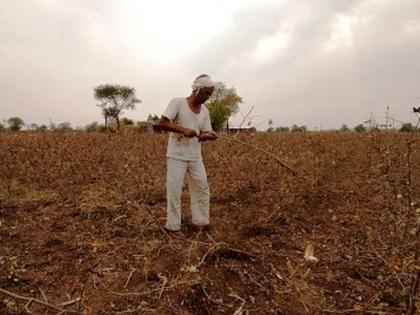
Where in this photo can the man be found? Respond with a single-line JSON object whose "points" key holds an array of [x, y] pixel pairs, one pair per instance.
{"points": [[189, 124]]}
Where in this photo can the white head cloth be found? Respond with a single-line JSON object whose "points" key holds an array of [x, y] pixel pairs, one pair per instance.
{"points": [[202, 82]]}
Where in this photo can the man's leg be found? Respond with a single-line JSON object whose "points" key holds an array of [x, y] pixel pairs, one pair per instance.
{"points": [[199, 193], [174, 179]]}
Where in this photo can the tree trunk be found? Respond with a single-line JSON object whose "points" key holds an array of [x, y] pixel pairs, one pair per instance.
{"points": [[106, 120], [118, 122]]}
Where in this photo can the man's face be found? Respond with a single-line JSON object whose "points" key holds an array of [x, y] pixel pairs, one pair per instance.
{"points": [[204, 94]]}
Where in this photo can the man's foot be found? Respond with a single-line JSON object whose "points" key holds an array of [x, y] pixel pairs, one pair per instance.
{"points": [[171, 230]]}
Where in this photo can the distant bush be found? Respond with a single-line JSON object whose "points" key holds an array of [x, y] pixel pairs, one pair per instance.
{"points": [[344, 128], [296, 128], [36, 127], [282, 129], [92, 127], [64, 126], [360, 128], [126, 121], [407, 127], [15, 123], [154, 118]]}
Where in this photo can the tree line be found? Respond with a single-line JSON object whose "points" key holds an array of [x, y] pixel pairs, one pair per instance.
{"points": [[406, 127], [17, 124], [114, 100]]}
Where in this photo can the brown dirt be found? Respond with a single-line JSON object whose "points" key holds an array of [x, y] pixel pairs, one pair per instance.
{"points": [[82, 214]]}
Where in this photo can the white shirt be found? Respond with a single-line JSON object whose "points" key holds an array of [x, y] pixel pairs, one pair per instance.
{"points": [[179, 146]]}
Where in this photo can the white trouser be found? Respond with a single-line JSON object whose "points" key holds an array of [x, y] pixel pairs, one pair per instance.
{"points": [[198, 187]]}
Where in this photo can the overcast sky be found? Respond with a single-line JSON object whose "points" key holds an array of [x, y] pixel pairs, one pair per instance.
{"points": [[320, 63]]}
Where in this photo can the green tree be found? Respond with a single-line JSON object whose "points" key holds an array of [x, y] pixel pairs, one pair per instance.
{"points": [[223, 103], [127, 121], [282, 129], [153, 118], [36, 127], [42, 128], [296, 128], [114, 100], [64, 126], [92, 127], [360, 128], [2, 128], [344, 128], [15, 123], [407, 127]]}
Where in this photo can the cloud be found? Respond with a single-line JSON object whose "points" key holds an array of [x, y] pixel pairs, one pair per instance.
{"points": [[371, 64], [306, 62]]}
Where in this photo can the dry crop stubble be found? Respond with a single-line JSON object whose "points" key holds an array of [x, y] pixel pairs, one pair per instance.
{"points": [[81, 218]]}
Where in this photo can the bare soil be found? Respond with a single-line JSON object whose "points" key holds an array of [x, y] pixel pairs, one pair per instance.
{"points": [[82, 215]]}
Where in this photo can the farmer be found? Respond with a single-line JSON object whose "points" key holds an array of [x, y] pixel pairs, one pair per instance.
{"points": [[189, 124]]}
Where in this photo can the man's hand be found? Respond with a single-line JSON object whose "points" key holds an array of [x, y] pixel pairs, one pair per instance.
{"points": [[189, 133], [207, 135], [168, 125]]}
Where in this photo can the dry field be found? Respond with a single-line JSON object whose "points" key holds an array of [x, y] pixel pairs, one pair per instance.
{"points": [[81, 219]]}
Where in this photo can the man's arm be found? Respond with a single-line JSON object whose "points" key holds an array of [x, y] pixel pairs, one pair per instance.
{"points": [[167, 125]]}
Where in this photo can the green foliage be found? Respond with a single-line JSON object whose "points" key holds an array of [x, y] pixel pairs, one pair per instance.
{"points": [[127, 121], [296, 128], [344, 128], [407, 127], [2, 127], [114, 100], [15, 123], [153, 118], [282, 129], [223, 103], [92, 127], [64, 126], [36, 127], [360, 128]]}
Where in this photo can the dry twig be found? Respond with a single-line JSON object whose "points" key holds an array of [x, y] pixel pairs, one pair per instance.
{"points": [[282, 163], [33, 300], [129, 278]]}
